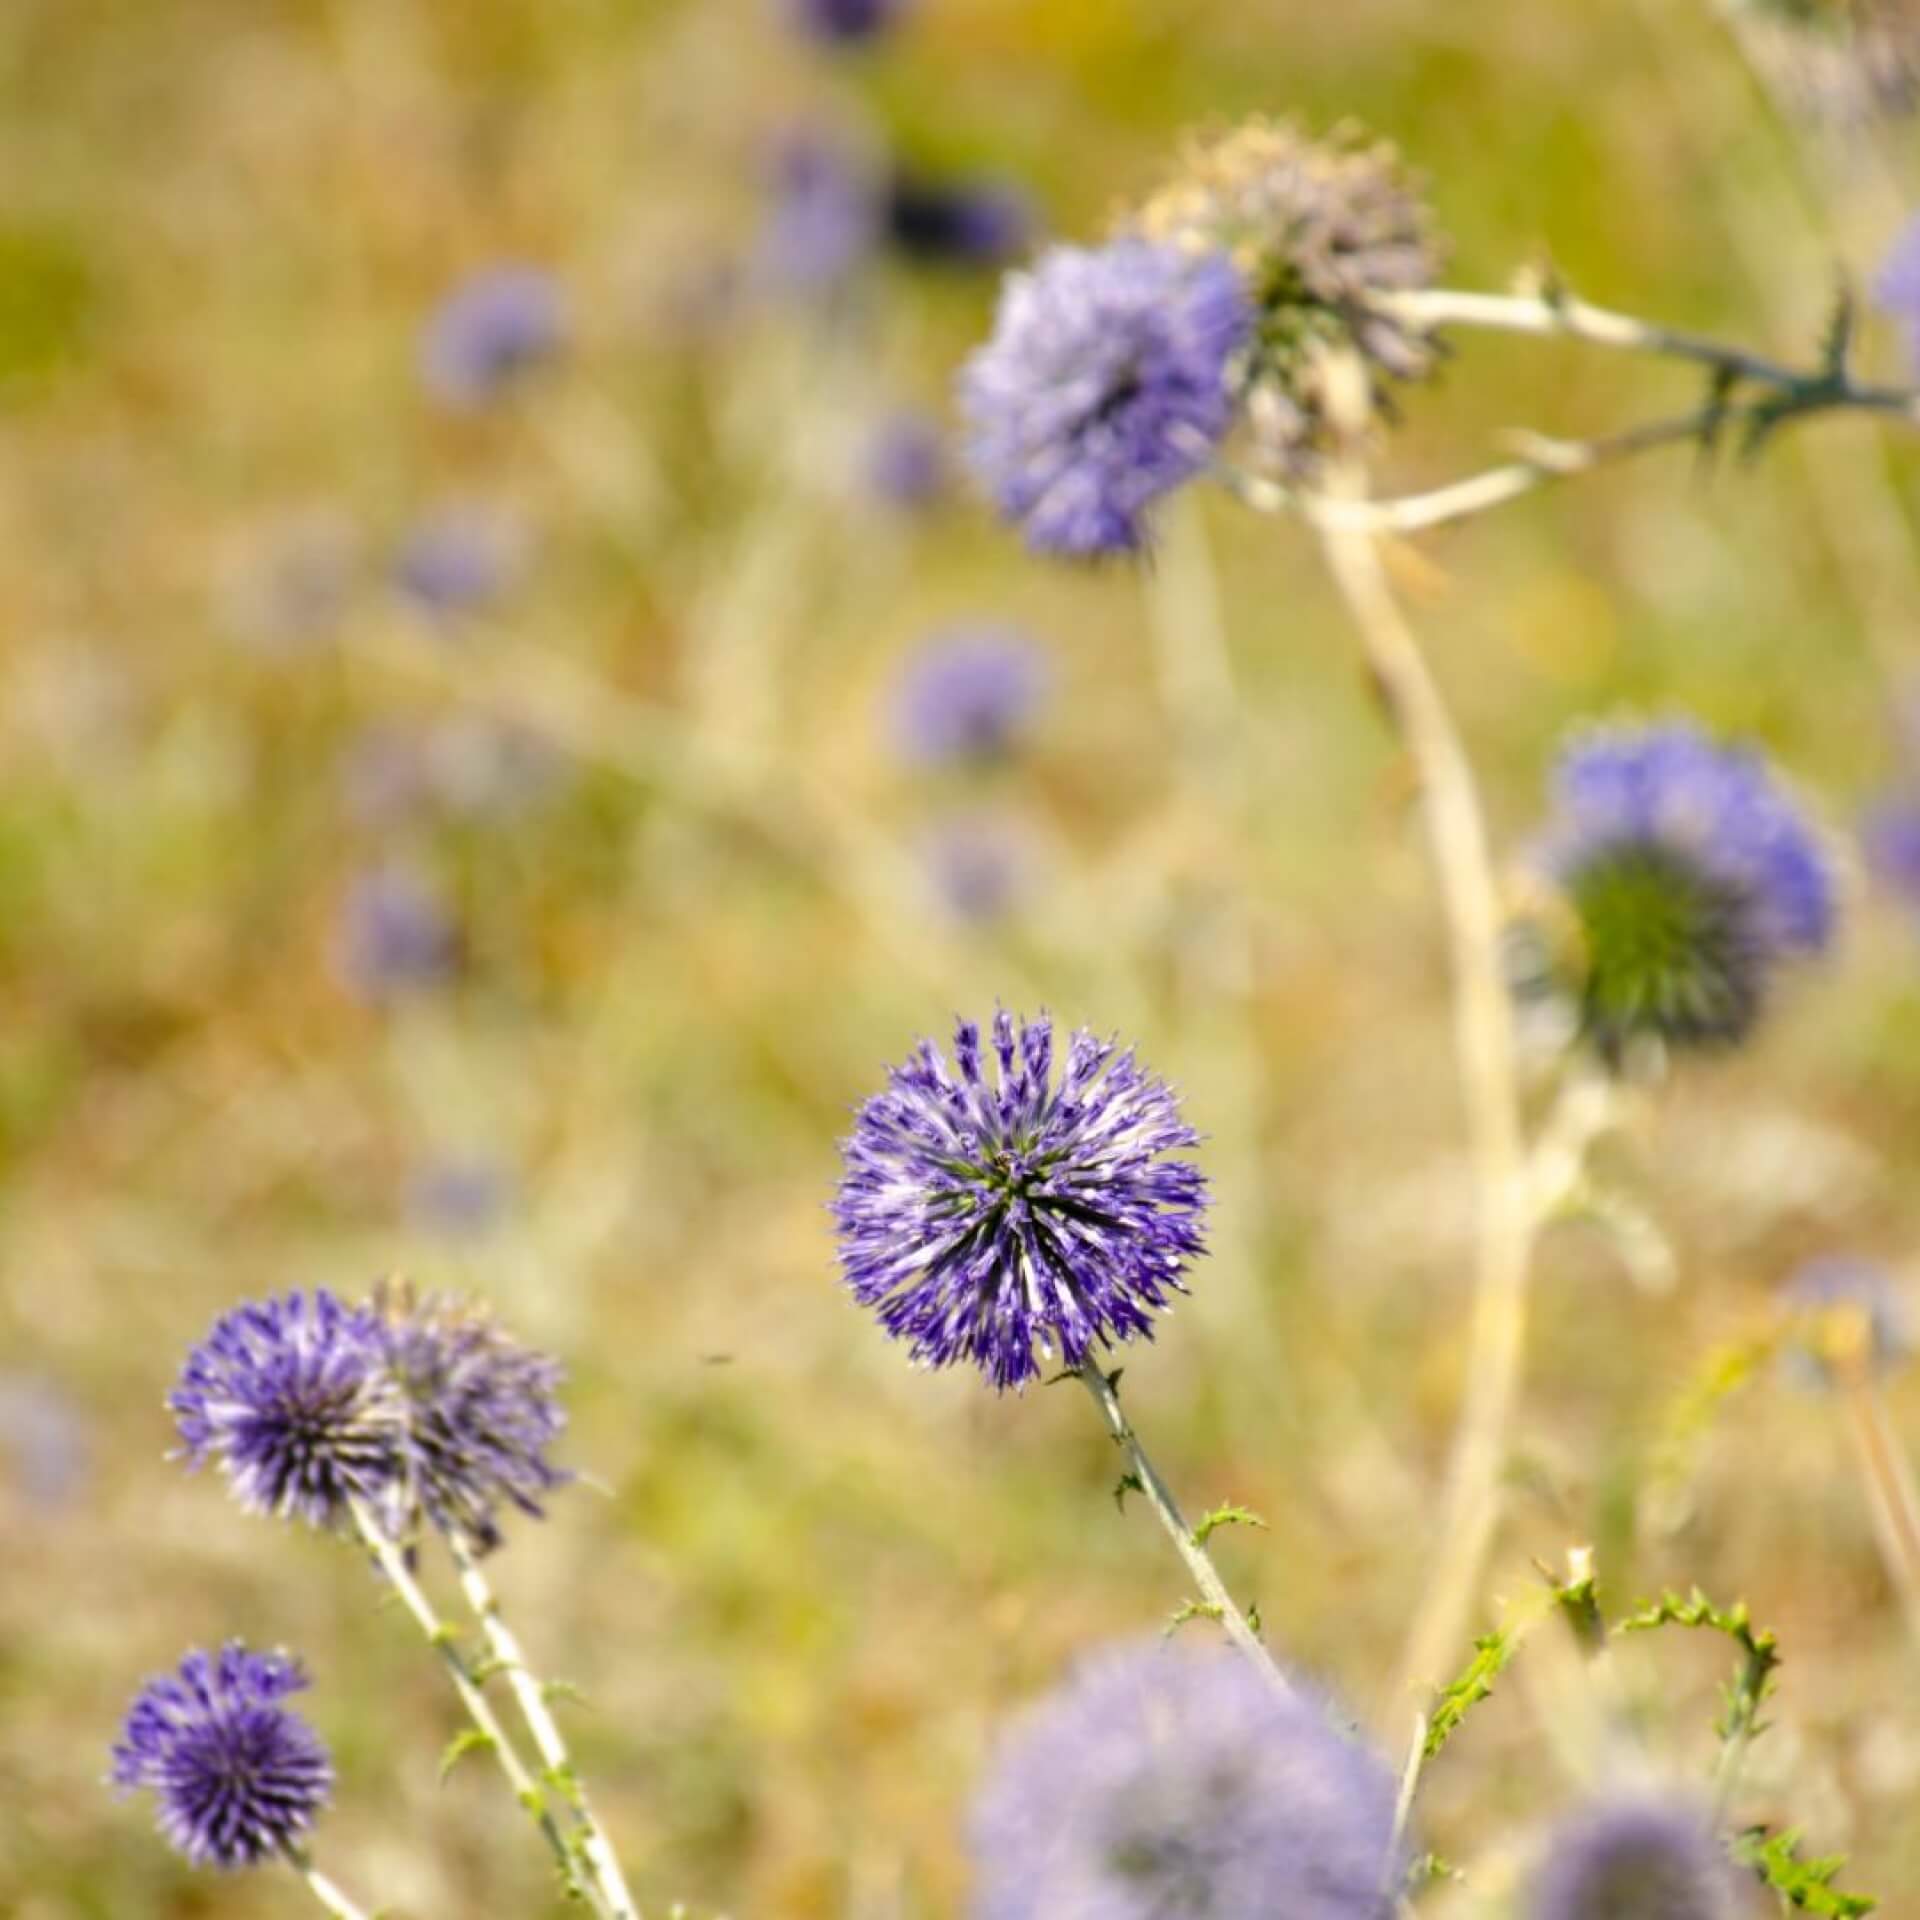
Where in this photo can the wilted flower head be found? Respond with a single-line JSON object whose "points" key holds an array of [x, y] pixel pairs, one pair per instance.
{"points": [[1167, 1783], [491, 327], [396, 934], [906, 463], [1693, 876], [967, 693], [823, 216], [237, 1777], [985, 1214], [1646, 1859], [481, 1412], [1319, 229], [1847, 1318], [967, 223], [1106, 383], [292, 1398], [460, 559], [844, 21]]}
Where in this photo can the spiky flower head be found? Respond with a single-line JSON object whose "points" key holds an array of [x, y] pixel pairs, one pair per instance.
{"points": [[967, 693], [492, 327], [1847, 1320], [236, 1776], [1693, 876], [293, 1398], [1164, 1782], [1644, 1858], [988, 1210], [481, 1412], [1320, 230], [1108, 381]]}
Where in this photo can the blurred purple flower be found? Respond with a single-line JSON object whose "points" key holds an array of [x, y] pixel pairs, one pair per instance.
{"points": [[1693, 875], [907, 461], [462, 1197], [482, 1410], [460, 559], [978, 864], [823, 215], [1890, 837], [1844, 1312], [1647, 1859], [44, 1438], [1105, 384], [985, 1216], [290, 1396], [967, 223], [967, 693], [1896, 287], [844, 21], [493, 326], [1165, 1781], [236, 1776], [396, 934]]}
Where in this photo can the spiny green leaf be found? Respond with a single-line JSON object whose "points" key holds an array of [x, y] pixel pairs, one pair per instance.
{"points": [[467, 1740], [553, 1690], [1746, 1693], [1805, 1884], [1491, 1652], [1190, 1610], [1129, 1482], [1430, 1866], [1229, 1516]]}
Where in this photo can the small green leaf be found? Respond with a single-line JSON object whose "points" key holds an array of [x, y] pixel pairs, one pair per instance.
{"points": [[1230, 1516], [553, 1690], [1129, 1482], [1747, 1691], [467, 1740], [1805, 1884], [1191, 1610], [1491, 1652]]}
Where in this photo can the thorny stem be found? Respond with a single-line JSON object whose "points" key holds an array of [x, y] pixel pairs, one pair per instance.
{"points": [[1484, 1042], [322, 1889], [1213, 1592], [597, 1850], [392, 1562]]}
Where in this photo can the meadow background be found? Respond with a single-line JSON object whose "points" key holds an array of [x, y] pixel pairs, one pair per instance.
{"points": [[803, 1584]]}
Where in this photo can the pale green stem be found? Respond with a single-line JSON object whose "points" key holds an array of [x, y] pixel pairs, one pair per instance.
{"points": [[1217, 1602], [323, 1889], [392, 1562], [597, 1852]]}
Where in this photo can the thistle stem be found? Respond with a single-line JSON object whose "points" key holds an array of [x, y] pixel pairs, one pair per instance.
{"points": [[323, 1889], [393, 1563], [1214, 1595], [1888, 1474], [601, 1863]]}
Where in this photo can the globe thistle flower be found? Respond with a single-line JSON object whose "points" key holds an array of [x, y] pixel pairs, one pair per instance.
{"points": [[1107, 382], [1163, 1781], [292, 1397], [237, 1777], [967, 694], [462, 1197], [460, 559], [491, 328], [396, 936], [961, 223], [481, 1412], [824, 215], [906, 462], [1693, 877], [844, 22], [1646, 1858], [985, 1215], [1319, 230], [1847, 1318]]}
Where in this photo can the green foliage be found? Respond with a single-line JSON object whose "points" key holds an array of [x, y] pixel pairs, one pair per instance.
{"points": [[1229, 1516], [1747, 1691], [1190, 1610], [1491, 1654], [467, 1740], [1806, 1885]]}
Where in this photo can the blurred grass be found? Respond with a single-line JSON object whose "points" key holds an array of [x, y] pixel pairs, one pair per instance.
{"points": [[806, 1583]]}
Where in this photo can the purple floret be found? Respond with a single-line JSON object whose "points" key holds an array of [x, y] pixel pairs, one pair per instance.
{"points": [[1646, 1858], [292, 1398], [493, 326], [1167, 1783], [1106, 384], [986, 1215], [237, 1778], [967, 694], [396, 934]]}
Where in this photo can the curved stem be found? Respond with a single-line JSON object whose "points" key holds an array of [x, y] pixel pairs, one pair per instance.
{"points": [[596, 1849], [393, 1563], [1218, 1602], [1484, 1042], [322, 1889]]}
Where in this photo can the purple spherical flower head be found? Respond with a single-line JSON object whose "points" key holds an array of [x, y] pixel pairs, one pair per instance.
{"points": [[1167, 1783], [237, 1777], [906, 463], [823, 215], [1896, 287], [460, 559], [967, 693], [1105, 384], [844, 21], [1693, 875], [493, 326], [964, 223], [396, 935], [1643, 1858], [481, 1413], [292, 1397], [986, 1215], [1849, 1320]]}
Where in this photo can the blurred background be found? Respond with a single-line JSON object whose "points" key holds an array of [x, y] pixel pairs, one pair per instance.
{"points": [[483, 820]]}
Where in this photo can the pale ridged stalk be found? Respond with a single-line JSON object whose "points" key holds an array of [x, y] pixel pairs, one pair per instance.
{"points": [[323, 1889]]}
